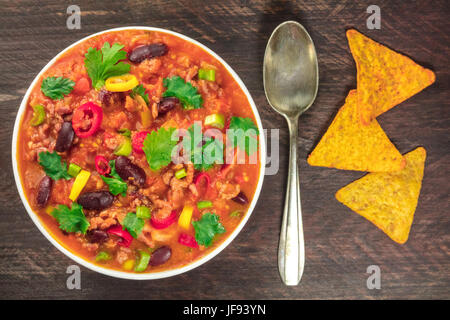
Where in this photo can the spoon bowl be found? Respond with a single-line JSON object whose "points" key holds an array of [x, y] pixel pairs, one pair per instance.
{"points": [[291, 81], [291, 73]]}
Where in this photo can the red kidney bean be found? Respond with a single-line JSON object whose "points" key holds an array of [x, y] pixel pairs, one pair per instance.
{"points": [[65, 137], [149, 51], [44, 191], [166, 104], [129, 171], [97, 200], [160, 256], [109, 98], [241, 198], [96, 236]]}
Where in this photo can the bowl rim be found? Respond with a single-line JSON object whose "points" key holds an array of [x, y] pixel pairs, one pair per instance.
{"points": [[116, 273]]}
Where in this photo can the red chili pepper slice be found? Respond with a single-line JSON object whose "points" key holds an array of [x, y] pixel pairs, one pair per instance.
{"points": [[124, 234], [163, 223], [198, 179], [138, 141], [187, 240], [86, 119], [102, 165]]}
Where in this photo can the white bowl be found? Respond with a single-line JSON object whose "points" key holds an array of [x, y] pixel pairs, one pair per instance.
{"points": [[127, 275]]}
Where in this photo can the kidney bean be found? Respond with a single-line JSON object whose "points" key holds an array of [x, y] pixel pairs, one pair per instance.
{"points": [[167, 104], [65, 137], [126, 170], [44, 191], [241, 198], [160, 256], [149, 51], [109, 98], [96, 236], [97, 200]]}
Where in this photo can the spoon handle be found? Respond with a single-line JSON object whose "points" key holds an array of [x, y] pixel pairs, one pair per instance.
{"points": [[291, 251]]}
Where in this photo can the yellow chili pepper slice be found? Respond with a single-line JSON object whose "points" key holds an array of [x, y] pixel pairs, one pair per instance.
{"points": [[121, 83], [79, 183], [184, 220]]}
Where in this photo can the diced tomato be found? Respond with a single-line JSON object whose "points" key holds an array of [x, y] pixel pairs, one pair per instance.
{"points": [[138, 141], [82, 86], [187, 240]]}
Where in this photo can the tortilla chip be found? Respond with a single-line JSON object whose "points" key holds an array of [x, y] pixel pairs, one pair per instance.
{"points": [[388, 200], [349, 145], [385, 78]]}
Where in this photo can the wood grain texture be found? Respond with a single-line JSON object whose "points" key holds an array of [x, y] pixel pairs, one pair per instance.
{"points": [[340, 245]]}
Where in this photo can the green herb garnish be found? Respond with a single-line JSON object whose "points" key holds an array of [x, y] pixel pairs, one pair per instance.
{"points": [[140, 90], [71, 220], [53, 167], [158, 146], [55, 88], [244, 139], [133, 224], [188, 95], [104, 63], [115, 183], [206, 228]]}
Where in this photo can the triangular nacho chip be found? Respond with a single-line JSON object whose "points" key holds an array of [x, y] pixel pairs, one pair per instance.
{"points": [[349, 145], [389, 199], [385, 78]]}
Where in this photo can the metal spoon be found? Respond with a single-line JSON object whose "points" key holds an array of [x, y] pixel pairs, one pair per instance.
{"points": [[291, 80]]}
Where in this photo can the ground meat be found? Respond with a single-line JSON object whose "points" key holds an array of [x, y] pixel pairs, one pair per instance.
{"points": [[227, 190], [145, 236], [123, 254], [107, 218]]}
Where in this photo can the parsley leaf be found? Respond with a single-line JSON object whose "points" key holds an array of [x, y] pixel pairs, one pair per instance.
{"points": [[55, 88], [140, 90], [71, 220], [188, 95], [53, 167], [116, 184], [242, 136], [158, 147], [133, 224], [206, 228], [203, 157], [104, 63]]}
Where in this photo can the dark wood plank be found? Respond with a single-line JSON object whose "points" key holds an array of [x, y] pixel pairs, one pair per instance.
{"points": [[340, 245]]}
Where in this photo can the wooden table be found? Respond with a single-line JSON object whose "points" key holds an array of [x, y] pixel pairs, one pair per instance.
{"points": [[340, 244]]}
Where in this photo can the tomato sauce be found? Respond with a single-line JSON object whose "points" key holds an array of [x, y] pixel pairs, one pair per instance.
{"points": [[121, 113]]}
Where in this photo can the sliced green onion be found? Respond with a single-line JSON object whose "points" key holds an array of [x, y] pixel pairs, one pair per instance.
{"points": [[124, 149], [143, 212], [180, 173], [142, 264], [236, 213], [73, 170], [125, 132], [38, 115], [204, 204], [215, 120], [102, 256], [207, 74]]}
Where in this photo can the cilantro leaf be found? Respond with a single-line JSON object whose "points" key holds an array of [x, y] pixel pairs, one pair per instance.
{"points": [[115, 183], [133, 224], [188, 95], [158, 147], [203, 156], [243, 134], [55, 88], [206, 228], [104, 63], [71, 220], [53, 167], [140, 90]]}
